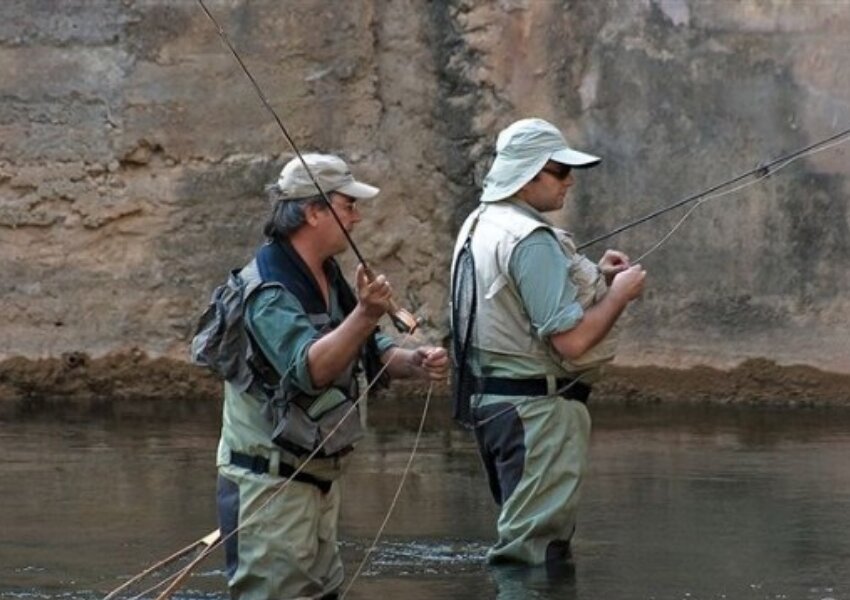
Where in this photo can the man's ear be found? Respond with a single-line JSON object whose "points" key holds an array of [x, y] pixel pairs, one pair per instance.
{"points": [[311, 214], [523, 192]]}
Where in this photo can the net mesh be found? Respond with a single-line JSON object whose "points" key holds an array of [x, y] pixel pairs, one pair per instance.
{"points": [[463, 322]]}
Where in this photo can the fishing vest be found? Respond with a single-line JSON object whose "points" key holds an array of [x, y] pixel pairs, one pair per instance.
{"points": [[502, 325], [225, 343]]}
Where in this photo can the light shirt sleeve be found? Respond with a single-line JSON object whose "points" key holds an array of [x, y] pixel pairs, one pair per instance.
{"points": [[284, 333], [541, 271]]}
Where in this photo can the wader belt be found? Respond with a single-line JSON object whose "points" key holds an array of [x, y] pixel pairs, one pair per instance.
{"points": [[502, 386], [260, 465]]}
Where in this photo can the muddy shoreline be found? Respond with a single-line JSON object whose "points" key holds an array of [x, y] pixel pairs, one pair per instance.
{"points": [[131, 384]]}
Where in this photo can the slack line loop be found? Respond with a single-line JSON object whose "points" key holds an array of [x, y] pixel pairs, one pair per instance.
{"points": [[209, 543], [760, 172], [402, 319]]}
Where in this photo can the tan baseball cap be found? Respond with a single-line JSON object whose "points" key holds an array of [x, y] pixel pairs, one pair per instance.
{"points": [[331, 173]]}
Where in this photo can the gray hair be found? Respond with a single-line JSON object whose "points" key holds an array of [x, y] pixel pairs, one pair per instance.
{"points": [[288, 214]]}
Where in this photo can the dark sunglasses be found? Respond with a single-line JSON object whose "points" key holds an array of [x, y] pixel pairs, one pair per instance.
{"points": [[560, 172]]}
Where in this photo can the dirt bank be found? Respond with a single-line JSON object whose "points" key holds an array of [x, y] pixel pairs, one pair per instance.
{"points": [[133, 384], [755, 381], [122, 384]]}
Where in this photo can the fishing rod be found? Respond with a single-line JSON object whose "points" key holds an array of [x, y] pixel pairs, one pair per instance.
{"points": [[760, 172], [403, 320]]}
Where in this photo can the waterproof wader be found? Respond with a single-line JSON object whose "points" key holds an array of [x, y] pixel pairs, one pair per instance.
{"points": [[534, 453], [255, 334], [286, 549]]}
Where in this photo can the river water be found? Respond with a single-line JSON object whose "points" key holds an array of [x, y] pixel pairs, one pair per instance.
{"points": [[680, 503]]}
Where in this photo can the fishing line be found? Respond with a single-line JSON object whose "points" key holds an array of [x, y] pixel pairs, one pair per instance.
{"points": [[177, 578], [187, 571], [761, 171], [396, 496], [164, 563], [761, 175]]}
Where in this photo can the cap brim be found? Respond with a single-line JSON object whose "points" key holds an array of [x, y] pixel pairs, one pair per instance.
{"points": [[574, 158], [359, 190]]}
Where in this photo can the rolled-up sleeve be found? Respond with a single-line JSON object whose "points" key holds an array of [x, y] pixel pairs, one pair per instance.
{"points": [[541, 271], [284, 333], [384, 343]]}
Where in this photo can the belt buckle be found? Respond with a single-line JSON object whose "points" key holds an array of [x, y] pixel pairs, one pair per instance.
{"points": [[551, 385], [274, 462]]}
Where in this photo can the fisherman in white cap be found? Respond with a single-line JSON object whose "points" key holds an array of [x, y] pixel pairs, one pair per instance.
{"points": [[289, 336], [532, 324]]}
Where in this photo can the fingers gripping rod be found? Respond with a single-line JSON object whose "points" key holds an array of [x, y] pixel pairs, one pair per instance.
{"points": [[402, 319]]}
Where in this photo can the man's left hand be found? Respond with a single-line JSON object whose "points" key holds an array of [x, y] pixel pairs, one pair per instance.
{"points": [[433, 360], [613, 262]]}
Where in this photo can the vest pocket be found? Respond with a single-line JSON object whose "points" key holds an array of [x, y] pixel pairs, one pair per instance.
{"points": [[301, 425], [348, 431]]}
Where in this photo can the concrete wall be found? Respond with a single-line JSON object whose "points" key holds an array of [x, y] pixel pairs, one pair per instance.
{"points": [[133, 155]]}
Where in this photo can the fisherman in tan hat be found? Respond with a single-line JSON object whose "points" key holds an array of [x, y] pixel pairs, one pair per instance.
{"points": [[532, 324], [295, 337]]}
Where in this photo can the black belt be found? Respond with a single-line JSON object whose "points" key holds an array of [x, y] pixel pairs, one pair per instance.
{"points": [[260, 465], [502, 386]]}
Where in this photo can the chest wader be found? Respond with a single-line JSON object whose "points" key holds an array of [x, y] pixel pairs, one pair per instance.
{"points": [[286, 547], [532, 432]]}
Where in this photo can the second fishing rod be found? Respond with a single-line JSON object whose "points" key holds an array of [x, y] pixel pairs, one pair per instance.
{"points": [[759, 172], [402, 319]]}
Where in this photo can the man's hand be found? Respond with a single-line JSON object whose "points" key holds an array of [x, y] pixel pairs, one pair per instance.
{"points": [[433, 361], [425, 362], [629, 283], [613, 262], [373, 296], [600, 318]]}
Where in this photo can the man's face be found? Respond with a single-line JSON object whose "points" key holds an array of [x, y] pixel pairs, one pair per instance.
{"points": [[549, 187], [348, 212]]}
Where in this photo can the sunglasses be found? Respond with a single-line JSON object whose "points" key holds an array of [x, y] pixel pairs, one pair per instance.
{"points": [[560, 172]]}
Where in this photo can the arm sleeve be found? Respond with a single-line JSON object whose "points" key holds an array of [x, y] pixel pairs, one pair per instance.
{"points": [[541, 271], [385, 342], [284, 333]]}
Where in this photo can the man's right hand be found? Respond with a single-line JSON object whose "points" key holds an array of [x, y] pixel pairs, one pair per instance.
{"points": [[373, 296], [629, 283]]}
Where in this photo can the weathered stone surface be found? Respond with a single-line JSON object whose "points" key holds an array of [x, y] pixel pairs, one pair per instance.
{"points": [[133, 155]]}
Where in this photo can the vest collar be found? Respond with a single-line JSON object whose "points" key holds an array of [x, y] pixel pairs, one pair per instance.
{"points": [[278, 261], [526, 208]]}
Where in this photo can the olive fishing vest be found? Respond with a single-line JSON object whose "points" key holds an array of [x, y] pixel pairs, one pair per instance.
{"points": [[225, 343], [502, 325]]}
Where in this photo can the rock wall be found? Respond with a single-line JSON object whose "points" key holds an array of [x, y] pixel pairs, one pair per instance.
{"points": [[133, 156]]}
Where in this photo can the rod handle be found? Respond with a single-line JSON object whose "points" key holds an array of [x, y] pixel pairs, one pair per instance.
{"points": [[403, 320]]}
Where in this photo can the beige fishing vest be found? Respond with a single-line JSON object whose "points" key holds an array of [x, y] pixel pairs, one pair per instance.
{"points": [[502, 325]]}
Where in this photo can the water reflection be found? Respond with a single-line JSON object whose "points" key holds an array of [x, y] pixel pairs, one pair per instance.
{"points": [[521, 583], [680, 503]]}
